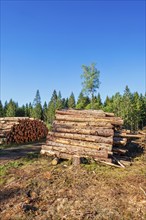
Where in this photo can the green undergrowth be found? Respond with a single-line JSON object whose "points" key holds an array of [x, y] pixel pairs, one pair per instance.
{"points": [[137, 168], [17, 164]]}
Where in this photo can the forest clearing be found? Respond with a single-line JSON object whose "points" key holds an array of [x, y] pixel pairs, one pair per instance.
{"points": [[32, 188], [73, 110]]}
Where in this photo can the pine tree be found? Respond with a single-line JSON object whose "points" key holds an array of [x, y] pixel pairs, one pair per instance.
{"points": [[71, 101]]}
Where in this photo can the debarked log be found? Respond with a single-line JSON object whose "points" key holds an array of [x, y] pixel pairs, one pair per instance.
{"points": [[89, 131], [97, 146], [92, 138], [74, 150]]}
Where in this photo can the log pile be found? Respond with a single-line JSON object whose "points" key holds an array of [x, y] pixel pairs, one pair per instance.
{"points": [[27, 131], [6, 124], [83, 133]]}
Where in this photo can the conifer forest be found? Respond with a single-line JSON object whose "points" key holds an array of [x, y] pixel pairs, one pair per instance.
{"points": [[131, 107]]}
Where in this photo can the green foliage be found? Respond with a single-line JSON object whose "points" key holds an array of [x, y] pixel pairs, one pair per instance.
{"points": [[4, 168], [37, 107], [45, 110], [90, 78], [11, 109], [130, 106], [59, 102], [71, 101], [20, 111], [108, 107], [1, 109], [83, 101], [27, 111], [52, 107]]}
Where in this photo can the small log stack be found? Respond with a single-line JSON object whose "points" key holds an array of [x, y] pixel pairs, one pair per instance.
{"points": [[83, 133], [27, 131], [6, 123]]}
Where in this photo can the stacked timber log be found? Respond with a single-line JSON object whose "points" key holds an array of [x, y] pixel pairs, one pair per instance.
{"points": [[83, 133], [27, 131], [6, 124]]}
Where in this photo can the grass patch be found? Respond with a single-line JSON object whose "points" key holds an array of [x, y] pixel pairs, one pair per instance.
{"points": [[13, 164]]}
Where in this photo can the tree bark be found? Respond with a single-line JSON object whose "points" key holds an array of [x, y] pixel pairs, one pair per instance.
{"points": [[81, 112], [69, 124], [73, 150], [69, 142], [89, 131], [97, 139], [112, 120]]}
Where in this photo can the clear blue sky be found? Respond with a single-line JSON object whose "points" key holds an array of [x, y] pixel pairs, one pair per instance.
{"points": [[45, 43]]}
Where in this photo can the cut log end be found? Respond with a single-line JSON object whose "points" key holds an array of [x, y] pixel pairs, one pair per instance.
{"points": [[55, 161]]}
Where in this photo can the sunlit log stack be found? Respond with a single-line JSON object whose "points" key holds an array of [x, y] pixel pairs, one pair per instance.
{"points": [[27, 131], [83, 133], [6, 124]]}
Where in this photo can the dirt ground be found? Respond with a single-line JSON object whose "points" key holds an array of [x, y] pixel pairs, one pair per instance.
{"points": [[31, 188]]}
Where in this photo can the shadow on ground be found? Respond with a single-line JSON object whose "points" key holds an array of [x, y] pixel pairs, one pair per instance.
{"points": [[17, 152]]}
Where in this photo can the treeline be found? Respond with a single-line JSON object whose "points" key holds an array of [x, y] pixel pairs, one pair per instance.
{"points": [[130, 106]]}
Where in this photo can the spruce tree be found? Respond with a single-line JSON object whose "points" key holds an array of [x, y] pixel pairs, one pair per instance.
{"points": [[37, 107], [20, 111], [117, 104], [30, 108], [71, 101], [108, 105], [127, 108], [59, 103], [27, 112], [5, 108], [45, 110], [82, 101], [52, 107]]}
